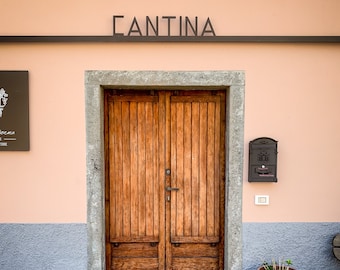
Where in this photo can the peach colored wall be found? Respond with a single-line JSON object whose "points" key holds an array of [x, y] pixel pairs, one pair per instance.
{"points": [[230, 17], [292, 95]]}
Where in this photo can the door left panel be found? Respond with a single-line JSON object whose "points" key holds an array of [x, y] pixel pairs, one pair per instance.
{"points": [[133, 197]]}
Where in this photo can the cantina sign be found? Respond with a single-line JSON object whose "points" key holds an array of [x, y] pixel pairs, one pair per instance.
{"points": [[176, 26]]}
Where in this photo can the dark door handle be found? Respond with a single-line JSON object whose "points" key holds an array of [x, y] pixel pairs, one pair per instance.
{"points": [[172, 189]]}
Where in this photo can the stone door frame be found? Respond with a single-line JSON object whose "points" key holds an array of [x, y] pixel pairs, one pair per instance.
{"points": [[97, 81]]}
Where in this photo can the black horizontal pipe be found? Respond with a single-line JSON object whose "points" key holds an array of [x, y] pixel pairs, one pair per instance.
{"points": [[192, 39]]}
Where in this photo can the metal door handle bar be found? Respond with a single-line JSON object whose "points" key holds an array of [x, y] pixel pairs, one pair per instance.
{"points": [[172, 189]]}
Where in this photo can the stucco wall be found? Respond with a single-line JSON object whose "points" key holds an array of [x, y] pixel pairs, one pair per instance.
{"points": [[243, 17], [291, 94]]}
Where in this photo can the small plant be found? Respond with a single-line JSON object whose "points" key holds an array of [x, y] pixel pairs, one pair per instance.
{"points": [[280, 265]]}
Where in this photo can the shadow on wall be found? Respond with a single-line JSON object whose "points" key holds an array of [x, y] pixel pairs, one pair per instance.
{"points": [[308, 245]]}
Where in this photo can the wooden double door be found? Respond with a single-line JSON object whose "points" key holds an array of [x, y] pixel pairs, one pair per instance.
{"points": [[165, 179]]}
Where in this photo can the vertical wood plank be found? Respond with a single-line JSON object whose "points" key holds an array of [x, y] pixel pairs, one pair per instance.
{"points": [[134, 166], [211, 170], [173, 195], [155, 173], [180, 170], [112, 186], [187, 200], [126, 191], [141, 169], [203, 171], [219, 154], [148, 169], [118, 189], [195, 168]]}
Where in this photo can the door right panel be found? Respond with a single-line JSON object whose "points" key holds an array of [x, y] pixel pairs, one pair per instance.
{"points": [[197, 170]]}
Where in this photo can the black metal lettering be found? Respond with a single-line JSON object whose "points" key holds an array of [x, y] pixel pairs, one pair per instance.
{"points": [[194, 29], [169, 20], [180, 26], [154, 28], [205, 28], [114, 25], [135, 23]]}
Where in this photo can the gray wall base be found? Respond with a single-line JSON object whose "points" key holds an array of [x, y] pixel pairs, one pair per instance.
{"points": [[63, 246], [308, 245], [43, 246]]}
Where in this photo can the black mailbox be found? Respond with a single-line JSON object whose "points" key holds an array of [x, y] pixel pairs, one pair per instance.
{"points": [[262, 160]]}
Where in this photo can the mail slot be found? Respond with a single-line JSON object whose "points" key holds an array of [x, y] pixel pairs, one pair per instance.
{"points": [[262, 160]]}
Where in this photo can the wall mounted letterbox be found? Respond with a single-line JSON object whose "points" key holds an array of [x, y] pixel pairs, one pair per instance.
{"points": [[262, 160]]}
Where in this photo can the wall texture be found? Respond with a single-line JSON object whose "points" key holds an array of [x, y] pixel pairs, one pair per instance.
{"points": [[43, 246], [308, 245], [63, 246]]}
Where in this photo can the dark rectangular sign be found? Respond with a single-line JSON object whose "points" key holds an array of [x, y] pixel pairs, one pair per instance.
{"points": [[14, 111]]}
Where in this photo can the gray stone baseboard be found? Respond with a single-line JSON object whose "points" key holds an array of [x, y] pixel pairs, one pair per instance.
{"points": [[308, 245], [64, 246], [43, 246]]}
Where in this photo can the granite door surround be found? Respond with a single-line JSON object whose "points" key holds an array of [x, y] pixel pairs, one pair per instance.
{"points": [[97, 81]]}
